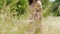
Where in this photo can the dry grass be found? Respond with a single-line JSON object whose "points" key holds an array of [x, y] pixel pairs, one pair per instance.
{"points": [[10, 24], [51, 25]]}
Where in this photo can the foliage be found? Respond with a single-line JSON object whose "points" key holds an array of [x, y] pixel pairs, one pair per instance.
{"points": [[18, 6], [51, 8]]}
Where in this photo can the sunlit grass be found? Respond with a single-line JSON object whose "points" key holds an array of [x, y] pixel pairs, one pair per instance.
{"points": [[51, 25]]}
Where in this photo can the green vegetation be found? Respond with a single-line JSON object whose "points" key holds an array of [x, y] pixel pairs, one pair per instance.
{"points": [[18, 6], [11, 12], [51, 8]]}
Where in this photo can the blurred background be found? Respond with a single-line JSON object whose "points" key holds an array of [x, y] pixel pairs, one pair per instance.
{"points": [[51, 7], [51, 16]]}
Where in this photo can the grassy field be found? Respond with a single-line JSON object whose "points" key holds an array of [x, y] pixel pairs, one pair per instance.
{"points": [[51, 25], [13, 25]]}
